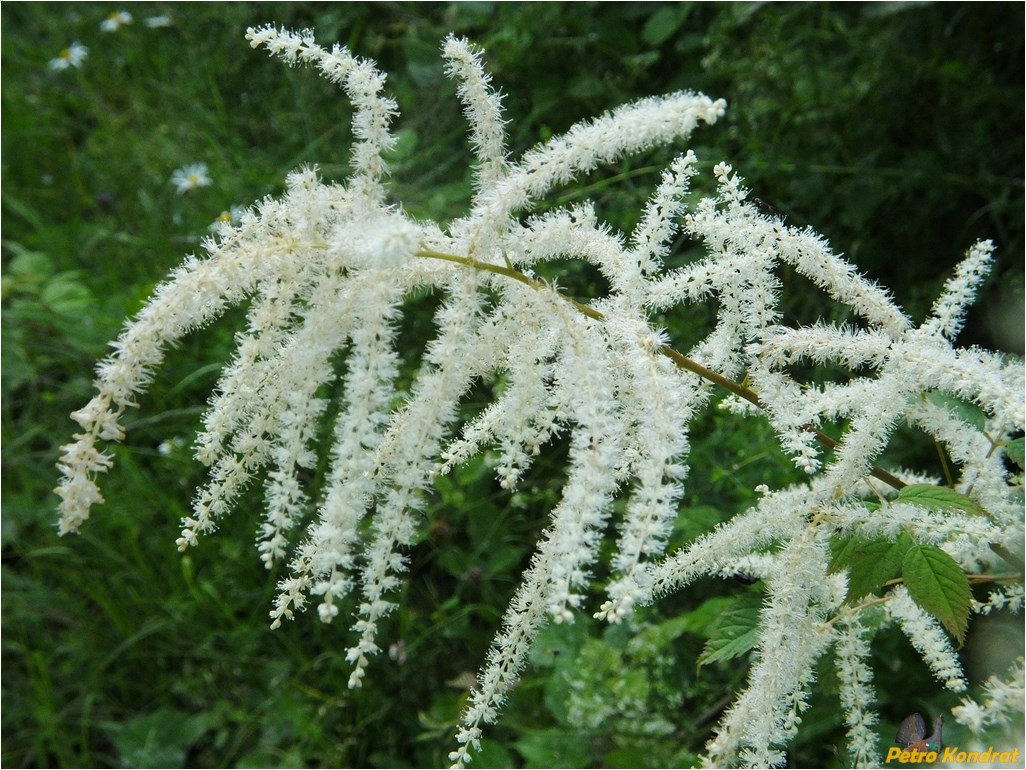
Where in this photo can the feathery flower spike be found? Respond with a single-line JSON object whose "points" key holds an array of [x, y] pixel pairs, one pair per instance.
{"points": [[324, 271]]}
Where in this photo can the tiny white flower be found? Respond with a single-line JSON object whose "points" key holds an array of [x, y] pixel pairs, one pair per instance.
{"points": [[115, 20], [153, 22], [190, 177], [72, 56]]}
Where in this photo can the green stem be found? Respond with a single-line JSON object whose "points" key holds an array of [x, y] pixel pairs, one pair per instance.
{"points": [[509, 272], [674, 355]]}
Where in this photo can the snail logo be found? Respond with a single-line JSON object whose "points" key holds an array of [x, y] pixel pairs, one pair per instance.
{"points": [[912, 733]]}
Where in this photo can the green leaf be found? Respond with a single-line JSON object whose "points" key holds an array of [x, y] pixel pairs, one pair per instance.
{"points": [[559, 643], [628, 757], [1014, 451], [870, 563], [695, 520], [492, 754], [936, 498], [65, 294], [160, 738], [29, 266], [939, 586], [555, 749], [662, 24], [966, 411], [735, 634], [406, 141], [700, 621]]}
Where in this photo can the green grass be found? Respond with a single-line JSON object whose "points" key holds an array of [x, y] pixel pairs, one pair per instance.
{"points": [[118, 651]]}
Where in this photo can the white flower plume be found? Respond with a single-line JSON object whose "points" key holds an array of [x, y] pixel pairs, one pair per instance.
{"points": [[325, 270]]}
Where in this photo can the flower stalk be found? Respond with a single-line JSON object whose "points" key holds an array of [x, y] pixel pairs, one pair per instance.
{"points": [[674, 355]]}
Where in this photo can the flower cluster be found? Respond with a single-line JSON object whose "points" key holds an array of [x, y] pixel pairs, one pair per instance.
{"points": [[325, 269]]}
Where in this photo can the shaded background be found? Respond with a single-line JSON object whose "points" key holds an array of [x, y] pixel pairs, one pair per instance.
{"points": [[893, 129]]}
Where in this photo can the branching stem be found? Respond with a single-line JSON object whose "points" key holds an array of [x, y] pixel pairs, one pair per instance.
{"points": [[673, 354]]}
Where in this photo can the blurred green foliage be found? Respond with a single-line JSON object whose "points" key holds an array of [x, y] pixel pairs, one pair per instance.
{"points": [[894, 129]]}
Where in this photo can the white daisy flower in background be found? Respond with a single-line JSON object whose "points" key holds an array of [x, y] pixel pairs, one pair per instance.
{"points": [[228, 218], [116, 20], [72, 56], [170, 445], [190, 177]]}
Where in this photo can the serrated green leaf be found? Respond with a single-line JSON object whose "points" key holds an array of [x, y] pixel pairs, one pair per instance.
{"points": [[870, 563], [965, 411], [735, 634], [1014, 450], [938, 585], [937, 498], [840, 552]]}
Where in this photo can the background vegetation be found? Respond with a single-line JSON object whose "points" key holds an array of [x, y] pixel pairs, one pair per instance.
{"points": [[895, 130]]}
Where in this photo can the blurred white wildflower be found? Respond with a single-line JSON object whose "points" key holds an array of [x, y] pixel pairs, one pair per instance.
{"points": [[190, 177], [170, 445], [1002, 698], [115, 21], [397, 651], [156, 22], [227, 219], [72, 56]]}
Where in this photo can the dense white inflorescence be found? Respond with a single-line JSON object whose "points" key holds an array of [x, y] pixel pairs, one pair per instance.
{"points": [[325, 269]]}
